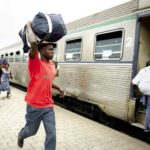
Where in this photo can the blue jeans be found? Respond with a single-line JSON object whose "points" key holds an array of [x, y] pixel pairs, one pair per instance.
{"points": [[4, 86], [34, 117], [147, 117]]}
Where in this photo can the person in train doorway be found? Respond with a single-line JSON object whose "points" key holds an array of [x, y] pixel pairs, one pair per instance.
{"points": [[5, 75], [142, 80], [39, 93]]}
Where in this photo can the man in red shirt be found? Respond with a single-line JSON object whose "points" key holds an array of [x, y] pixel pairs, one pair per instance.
{"points": [[39, 93]]}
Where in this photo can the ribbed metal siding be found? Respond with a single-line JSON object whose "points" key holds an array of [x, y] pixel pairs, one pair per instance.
{"points": [[107, 85], [111, 13]]}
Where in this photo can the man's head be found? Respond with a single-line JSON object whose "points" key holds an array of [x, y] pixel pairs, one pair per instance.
{"points": [[147, 63], [46, 50]]}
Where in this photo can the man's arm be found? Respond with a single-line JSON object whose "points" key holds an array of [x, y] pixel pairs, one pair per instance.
{"points": [[32, 40], [58, 88]]}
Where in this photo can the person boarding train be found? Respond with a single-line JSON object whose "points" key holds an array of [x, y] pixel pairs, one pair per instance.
{"points": [[142, 80]]}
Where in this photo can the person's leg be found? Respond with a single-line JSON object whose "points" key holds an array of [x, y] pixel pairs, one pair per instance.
{"points": [[8, 90], [33, 119], [0, 88], [147, 117], [49, 125]]}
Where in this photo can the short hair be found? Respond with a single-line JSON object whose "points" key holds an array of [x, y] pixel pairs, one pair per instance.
{"points": [[147, 63], [41, 45]]}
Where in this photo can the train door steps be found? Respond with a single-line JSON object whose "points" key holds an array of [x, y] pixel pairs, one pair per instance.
{"points": [[139, 125], [141, 116]]}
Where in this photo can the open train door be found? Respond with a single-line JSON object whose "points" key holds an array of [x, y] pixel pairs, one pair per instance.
{"points": [[141, 56]]}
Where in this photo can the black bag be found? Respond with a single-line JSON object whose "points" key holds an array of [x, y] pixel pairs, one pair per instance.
{"points": [[22, 34], [50, 28]]}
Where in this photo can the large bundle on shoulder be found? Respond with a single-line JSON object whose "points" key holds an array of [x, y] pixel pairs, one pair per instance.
{"points": [[47, 27]]}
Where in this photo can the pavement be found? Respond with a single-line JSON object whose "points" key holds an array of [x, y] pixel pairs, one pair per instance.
{"points": [[74, 132]]}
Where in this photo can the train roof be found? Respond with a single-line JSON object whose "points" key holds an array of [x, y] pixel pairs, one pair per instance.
{"points": [[108, 14]]}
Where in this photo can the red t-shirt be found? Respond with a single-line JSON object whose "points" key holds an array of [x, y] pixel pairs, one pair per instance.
{"points": [[39, 92]]}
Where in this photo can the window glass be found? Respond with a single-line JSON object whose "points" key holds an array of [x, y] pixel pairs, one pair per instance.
{"points": [[17, 58], [25, 57], [55, 54], [73, 50], [6, 57], [11, 57], [109, 46], [2, 56]]}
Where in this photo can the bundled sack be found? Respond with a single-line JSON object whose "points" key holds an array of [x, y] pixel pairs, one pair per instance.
{"points": [[142, 80], [50, 28], [144, 87], [22, 34]]}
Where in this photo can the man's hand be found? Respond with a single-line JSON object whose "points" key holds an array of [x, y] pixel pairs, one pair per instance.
{"points": [[29, 23]]}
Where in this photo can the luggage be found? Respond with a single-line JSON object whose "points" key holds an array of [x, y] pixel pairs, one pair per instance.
{"points": [[50, 28], [144, 88], [22, 34]]}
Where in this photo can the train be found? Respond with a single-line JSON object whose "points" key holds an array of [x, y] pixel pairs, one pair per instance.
{"points": [[98, 59]]}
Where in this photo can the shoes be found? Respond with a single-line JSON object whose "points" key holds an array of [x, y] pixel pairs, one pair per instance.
{"points": [[8, 95], [20, 142]]}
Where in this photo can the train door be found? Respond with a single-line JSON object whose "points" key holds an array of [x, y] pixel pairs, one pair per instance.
{"points": [[143, 55]]}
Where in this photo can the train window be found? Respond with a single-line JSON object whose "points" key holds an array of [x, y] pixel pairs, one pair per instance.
{"points": [[6, 57], [25, 57], [2, 56], [109, 46], [55, 54], [73, 50], [11, 57], [17, 58]]}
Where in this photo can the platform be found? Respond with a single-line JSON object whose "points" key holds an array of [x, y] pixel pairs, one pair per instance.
{"points": [[74, 132]]}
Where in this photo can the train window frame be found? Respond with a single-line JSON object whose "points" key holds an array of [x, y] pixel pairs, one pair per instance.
{"points": [[109, 52], [81, 49], [17, 59], [11, 57]]}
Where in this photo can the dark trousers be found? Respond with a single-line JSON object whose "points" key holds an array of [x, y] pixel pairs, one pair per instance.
{"points": [[34, 117]]}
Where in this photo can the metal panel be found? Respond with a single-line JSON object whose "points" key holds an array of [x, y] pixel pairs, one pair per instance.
{"points": [[144, 4], [108, 85]]}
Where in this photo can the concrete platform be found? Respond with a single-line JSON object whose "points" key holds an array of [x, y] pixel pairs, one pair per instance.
{"points": [[74, 132]]}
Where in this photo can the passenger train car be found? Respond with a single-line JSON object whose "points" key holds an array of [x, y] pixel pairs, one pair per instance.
{"points": [[98, 59]]}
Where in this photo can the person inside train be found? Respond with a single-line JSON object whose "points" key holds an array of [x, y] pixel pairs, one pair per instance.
{"points": [[6, 74], [39, 93], [142, 80]]}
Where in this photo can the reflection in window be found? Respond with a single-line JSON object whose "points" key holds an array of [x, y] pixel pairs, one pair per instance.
{"points": [[73, 50], [109, 46]]}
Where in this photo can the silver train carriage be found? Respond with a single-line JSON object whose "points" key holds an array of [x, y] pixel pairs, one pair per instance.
{"points": [[98, 59]]}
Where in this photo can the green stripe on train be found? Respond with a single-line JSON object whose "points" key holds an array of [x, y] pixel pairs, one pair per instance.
{"points": [[103, 24]]}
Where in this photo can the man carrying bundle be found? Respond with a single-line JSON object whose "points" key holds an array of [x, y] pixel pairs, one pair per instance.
{"points": [[39, 93]]}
